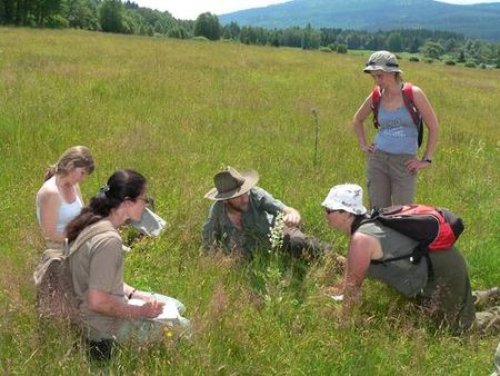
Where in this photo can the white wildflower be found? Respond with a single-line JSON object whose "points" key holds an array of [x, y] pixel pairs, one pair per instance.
{"points": [[276, 232]]}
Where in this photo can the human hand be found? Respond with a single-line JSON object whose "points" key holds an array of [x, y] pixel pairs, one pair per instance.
{"points": [[413, 165], [332, 291], [292, 217], [369, 149], [152, 308]]}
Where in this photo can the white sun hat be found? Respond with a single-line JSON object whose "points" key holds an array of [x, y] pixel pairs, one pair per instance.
{"points": [[347, 197]]}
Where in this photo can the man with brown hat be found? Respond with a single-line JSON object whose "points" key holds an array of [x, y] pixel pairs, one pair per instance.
{"points": [[240, 219]]}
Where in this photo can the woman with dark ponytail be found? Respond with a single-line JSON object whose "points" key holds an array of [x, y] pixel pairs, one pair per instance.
{"points": [[96, 264], [59, 200]]}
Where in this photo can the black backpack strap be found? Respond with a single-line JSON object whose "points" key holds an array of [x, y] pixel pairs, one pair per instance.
{"points": [[358, 221], [417, 254]]}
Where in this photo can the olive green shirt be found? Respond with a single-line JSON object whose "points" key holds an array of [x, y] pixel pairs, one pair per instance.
{"points": [[219, 232], [98, 264], [403, 275]]}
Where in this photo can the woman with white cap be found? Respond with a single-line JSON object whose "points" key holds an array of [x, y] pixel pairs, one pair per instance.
{"points": [[447, 292], [392, 157]]}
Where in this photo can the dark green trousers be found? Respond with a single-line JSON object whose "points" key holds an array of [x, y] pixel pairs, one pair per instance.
{"points": [[448, 294]]}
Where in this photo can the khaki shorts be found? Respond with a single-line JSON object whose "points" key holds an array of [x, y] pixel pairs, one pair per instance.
{"points": [[388, 180]]}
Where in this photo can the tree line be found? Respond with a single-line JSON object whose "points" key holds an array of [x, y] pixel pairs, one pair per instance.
{"points": [[118, 17]]}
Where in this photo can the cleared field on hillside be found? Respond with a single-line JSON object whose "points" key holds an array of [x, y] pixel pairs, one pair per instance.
{"points": [[179, 110]]}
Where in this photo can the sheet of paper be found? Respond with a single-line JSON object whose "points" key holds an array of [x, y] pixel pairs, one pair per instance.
{"points": [[169, 312], [338, 298]]}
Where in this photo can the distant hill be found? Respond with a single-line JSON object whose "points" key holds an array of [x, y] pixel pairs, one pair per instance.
{"points": [[479, 20]]}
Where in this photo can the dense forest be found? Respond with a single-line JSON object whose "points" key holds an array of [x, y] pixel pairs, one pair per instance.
{"points": [[129, 18]]}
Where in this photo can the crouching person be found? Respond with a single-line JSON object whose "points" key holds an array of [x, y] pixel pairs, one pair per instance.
{"points": [[96, 265], [446, 293]]}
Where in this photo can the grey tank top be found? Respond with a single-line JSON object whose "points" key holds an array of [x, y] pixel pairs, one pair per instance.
{"points": [[403, 275]]}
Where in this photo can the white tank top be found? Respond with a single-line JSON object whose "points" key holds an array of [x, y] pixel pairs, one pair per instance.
{"points": [[67, 210]]}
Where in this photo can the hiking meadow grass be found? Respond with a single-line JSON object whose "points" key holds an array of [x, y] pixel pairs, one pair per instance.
{"points": [[177, 111]]}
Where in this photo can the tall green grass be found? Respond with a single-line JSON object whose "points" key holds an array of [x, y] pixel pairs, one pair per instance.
{"points": [[179, 110]]}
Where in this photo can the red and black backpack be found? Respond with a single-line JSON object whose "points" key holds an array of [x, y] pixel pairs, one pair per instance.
{"points": [[435, 229], [407, 92]]}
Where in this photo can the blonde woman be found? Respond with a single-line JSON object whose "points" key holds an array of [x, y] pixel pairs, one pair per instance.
{"points": [[59, 200], [392, 162]]}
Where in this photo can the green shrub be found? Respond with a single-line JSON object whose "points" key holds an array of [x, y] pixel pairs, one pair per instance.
{"points": [[341, 49], [450, 62], [333, 46], [414, 58], [200, 38], [57, 22], [470, 64], [325, 49]]}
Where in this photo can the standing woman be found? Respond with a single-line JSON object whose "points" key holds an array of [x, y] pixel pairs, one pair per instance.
{"points": [[392, 157], [96, 265], [59, 200]]}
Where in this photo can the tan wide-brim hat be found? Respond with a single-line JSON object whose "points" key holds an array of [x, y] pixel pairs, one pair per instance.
{"points": [[384, 61], [230, 183]]}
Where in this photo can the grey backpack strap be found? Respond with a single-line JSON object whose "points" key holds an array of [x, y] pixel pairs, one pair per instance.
{"points": [[91, 231]]}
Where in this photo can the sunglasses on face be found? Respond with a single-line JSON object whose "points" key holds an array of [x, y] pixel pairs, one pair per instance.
{"points": [[330, 211], [149, 201]]}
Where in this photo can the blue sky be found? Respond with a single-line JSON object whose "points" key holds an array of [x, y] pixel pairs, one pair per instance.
{"points": [[190, 9]]}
